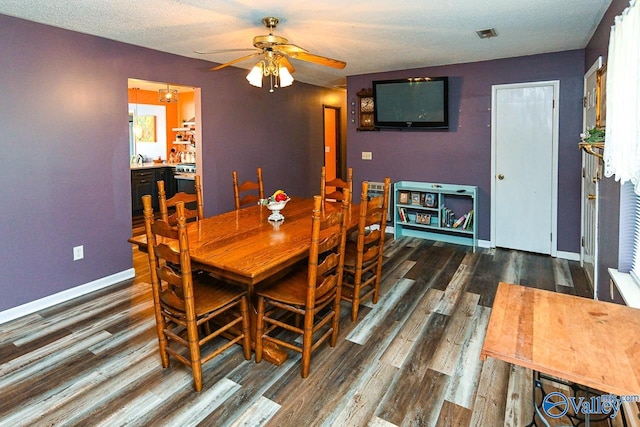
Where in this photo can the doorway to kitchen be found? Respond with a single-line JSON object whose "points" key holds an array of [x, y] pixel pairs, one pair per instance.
{"points": [[165, 141]]}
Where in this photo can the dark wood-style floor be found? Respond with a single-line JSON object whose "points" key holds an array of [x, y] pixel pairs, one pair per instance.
{"points": [[412, 359]]}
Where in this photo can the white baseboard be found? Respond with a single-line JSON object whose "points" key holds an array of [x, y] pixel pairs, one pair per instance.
{"points": [[569, 256], [60, 297]]}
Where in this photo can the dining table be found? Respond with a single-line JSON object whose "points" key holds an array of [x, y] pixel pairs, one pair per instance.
{"points": [[244, 247], [580, 342]]}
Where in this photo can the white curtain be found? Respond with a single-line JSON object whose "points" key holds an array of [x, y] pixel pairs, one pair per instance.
{"points": [[622, 139]]}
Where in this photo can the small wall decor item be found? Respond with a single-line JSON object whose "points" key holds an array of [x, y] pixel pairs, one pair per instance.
{"points": [[415, 198], [422, 218], [430, 200], [148, 126], [403, 197], [365, 109]]}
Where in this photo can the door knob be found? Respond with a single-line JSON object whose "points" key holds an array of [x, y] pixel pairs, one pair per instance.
{"points": [[591, 197], [500, 177]]}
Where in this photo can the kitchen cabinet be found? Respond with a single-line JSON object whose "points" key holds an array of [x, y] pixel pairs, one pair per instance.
{"points": [[144, 181], [185, 186], [166, 175]]}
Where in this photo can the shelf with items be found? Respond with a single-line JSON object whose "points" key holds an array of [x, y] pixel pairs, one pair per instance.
{"points": [[443, 212], [588, 147], [593, 142], [186, 133]]}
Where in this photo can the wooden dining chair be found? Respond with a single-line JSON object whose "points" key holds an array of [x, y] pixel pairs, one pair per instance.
{"points": [[247, 193], [170, 204], [333, 190], [190, 309], [363, 258], [310, 293]]}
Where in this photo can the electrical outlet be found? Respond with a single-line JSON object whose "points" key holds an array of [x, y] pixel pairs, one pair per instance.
{"points": [[366, 155], [78, 252]]}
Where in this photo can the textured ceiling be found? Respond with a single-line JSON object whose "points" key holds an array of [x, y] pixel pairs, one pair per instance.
{"points": [[371, 36]]}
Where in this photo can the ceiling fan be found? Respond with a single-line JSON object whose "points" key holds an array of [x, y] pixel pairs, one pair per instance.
{"points": [[276, 50]]}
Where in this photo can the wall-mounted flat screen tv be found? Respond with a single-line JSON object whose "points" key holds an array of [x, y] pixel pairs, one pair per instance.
{"points": [[413, 103]]}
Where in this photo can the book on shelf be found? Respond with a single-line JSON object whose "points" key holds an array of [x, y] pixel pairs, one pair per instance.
{"points": [[459, 221], [468, 222], [448, 217], [402, 214]]}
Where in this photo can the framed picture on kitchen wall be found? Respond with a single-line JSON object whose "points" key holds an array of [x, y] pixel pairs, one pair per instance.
{"points": [[148, 126]]}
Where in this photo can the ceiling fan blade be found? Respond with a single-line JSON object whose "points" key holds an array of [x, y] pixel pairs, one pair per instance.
{"points": [[287, 64], [290, 49], [317, 59], [207, 52], [235, 61]]}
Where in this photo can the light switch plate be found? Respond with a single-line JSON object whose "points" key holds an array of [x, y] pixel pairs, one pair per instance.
{"points": [[78, 252], [366, 155]]}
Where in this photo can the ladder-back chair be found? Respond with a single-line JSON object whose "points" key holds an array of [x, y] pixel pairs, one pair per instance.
{"points": [[187, 198], [190, 309], [363, 258], [333, 190], [247, 193], [310, 292]]}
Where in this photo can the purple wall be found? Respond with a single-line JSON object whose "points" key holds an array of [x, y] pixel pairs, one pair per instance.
{"points": [[462, 155], [65, 177], [609, 189]]}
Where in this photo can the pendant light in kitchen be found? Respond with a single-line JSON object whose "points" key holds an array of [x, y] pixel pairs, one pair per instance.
{"points": [[168, 95]]}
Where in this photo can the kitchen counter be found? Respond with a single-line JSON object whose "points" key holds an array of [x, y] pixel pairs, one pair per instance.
{"points": [[151, 165]]}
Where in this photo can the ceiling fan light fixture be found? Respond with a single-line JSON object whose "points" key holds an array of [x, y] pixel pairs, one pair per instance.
{"points": [[279, 75], [286, 79], [255, 75], [168, 95], [276, 51]]}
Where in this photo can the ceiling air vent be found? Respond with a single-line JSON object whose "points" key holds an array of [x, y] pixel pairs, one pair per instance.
{"points": [[486, 34]]}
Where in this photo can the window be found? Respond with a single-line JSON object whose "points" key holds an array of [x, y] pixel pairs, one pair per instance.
{"points": [[623, 144], [627, 276], [629, 248]]}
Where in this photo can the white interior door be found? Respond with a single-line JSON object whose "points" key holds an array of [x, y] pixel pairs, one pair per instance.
{"points": [[590, 176], [524, 166]]}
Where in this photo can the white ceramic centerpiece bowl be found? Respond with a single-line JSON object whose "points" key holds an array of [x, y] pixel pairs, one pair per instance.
{"points": [[275, 208]]}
